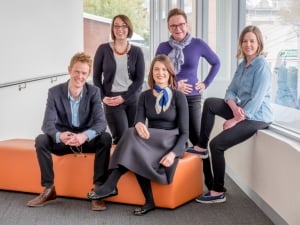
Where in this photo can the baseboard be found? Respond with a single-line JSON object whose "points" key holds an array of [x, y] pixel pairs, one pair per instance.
{"points": [[265, 207]]}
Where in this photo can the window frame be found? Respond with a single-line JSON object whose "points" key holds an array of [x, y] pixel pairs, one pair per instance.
{"points": [[158, 26]]}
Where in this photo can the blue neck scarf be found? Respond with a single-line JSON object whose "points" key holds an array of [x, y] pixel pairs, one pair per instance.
{"points": [[165, 97]]}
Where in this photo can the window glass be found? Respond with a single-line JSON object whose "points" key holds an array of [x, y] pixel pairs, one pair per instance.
{"points": [[279, 23], [98, 17], [217, 32], [189, 6]]}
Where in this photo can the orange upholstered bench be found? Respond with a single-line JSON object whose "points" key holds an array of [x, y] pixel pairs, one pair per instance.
{"points": [[19, 171]]}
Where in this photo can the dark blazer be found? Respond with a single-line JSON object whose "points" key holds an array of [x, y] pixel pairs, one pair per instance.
{"points": [[58, 117]]}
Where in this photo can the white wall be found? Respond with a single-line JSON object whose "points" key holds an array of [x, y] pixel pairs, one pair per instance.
{"points": [[22, 111], [38, 38], [266, 167]]}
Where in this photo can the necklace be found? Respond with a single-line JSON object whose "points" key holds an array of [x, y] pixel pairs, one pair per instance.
{"points": [[78, 151], [120, 53]]}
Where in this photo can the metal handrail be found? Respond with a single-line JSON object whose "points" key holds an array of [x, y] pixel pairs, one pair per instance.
{"points": [[22, 83]]}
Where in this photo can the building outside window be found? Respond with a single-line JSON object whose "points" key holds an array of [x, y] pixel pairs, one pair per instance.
{"points": [[97, 18], [280, 24]]}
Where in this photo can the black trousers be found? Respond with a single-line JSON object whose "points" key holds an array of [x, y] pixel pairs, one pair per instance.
{"points": [[120, 117], [194, 104], [214, 179], [100, 145]]}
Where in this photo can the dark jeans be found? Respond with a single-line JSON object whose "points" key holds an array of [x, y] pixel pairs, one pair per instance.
{"points": [[45, 146], [194, 104], [224, 140], [119, 118]]}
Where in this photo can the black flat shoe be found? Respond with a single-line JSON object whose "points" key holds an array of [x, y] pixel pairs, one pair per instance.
{"points": [[143, 210], [92, 195]]}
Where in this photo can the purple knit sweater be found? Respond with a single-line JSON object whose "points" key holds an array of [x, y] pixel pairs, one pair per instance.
{"points": [[192, 54]]}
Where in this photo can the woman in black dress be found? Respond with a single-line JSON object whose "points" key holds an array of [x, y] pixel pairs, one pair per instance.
{"points": [[151, 151]]}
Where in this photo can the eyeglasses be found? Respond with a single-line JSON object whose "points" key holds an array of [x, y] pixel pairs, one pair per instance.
{"points": [[175, 26], [124, 26]]}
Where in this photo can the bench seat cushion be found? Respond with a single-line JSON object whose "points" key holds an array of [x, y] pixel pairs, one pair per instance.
{"points": [[74, 176]]}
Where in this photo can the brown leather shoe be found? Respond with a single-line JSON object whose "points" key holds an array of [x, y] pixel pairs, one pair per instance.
{"points": [[98, 205], [47, 196]]}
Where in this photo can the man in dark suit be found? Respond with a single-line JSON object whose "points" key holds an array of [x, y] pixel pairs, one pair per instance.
{"points": [[74, 122]]}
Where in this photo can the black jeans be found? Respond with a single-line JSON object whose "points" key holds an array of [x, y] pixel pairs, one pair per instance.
{"points": [[224, 140], [121, 117], [194, 104], [100, 145]]}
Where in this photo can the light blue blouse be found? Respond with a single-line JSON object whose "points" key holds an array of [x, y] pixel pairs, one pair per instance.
{"points": [[250, 88]]}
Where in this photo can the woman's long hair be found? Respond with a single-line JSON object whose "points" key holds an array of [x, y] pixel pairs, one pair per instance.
{"points": [[255, 30], [169, 65]]}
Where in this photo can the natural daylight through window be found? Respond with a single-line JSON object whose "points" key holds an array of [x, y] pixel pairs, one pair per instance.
{"points": [[280, 24]]}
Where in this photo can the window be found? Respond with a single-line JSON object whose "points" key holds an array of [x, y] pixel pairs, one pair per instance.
{"points": [[218, 29], [279, 23], [218, 23], [98, 16]]}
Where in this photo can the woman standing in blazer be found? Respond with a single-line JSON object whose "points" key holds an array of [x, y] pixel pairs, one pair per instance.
{"points": [[119, 70]]}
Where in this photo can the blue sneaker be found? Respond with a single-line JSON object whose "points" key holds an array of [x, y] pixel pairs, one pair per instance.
{"points": [[202, 154], [207, 198]]}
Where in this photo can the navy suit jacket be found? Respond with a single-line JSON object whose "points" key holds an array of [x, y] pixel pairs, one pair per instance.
{"points": [[58, 116]]}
